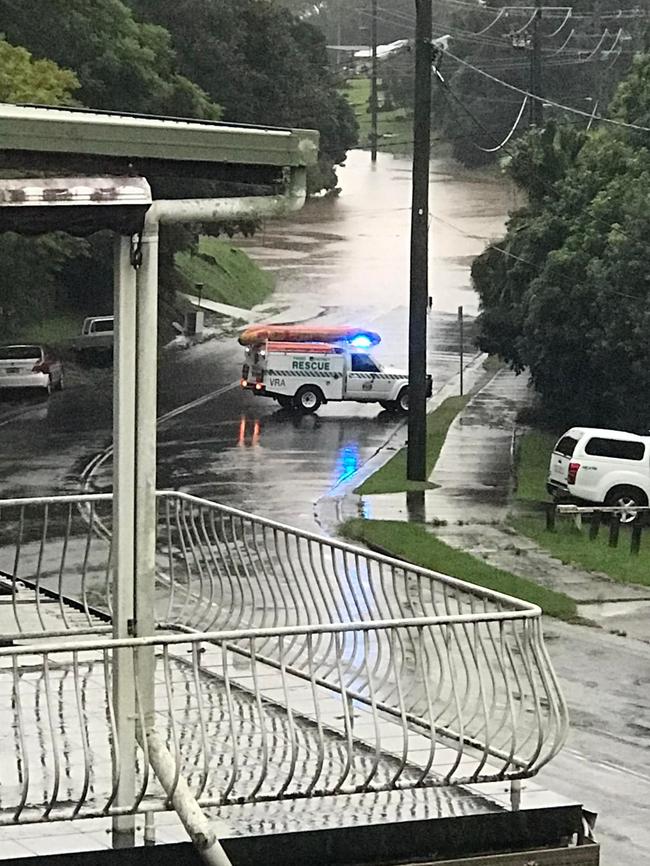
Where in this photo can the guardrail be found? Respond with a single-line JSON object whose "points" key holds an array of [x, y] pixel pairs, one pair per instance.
{"points": [[634, 517], [338, 669]]}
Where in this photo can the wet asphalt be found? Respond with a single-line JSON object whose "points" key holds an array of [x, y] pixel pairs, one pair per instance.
{"points": [[349, 258]]}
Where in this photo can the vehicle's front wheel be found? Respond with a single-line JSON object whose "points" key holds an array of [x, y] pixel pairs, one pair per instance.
{"points": [[623, 497], [308, 399], [403, 400]]}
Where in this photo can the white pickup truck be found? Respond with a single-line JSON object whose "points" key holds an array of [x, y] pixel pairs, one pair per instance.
{"points": [[304, 375], [96, 337]]}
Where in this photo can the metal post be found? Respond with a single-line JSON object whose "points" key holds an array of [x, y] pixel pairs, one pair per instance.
{"points": [[416, 468], [597, 26], [145, 427], [536, 108], [123, 533], [461, 349], [373, 85]]}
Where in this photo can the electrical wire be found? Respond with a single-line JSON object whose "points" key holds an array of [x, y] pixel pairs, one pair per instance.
{"points": [[618, 123], [567, 18], [510, 134], [492, 23]]}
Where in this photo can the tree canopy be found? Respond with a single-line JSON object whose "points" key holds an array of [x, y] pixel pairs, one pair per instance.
{"points": [[263, 64], [566, 293], [121, 64], [24, 79]]}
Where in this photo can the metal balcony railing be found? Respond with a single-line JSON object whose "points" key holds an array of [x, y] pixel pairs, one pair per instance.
{"points": [[286, 665]]}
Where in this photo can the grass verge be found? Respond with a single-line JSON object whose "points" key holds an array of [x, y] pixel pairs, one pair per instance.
{"points": [[391, 477], [413, 543], [228, 275], [53, 331], [394, 127], [569, 543], [572, 546], [532, 464]]}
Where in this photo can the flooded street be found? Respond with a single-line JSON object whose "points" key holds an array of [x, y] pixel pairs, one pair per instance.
{"points": [[342, 259]]}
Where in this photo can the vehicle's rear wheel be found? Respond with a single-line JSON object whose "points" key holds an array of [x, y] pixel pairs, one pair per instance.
{"points": [[403, 400], [285, 401], [308, 399], [626, 496]]}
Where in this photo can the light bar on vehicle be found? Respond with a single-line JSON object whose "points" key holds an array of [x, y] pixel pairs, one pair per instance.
{"points": [[352, 336]]}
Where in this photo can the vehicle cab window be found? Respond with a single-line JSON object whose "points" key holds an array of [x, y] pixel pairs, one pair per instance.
{"points": [[361, 363], [566, 446], [619, 449]]}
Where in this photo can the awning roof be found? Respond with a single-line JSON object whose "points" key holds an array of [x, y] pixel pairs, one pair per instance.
{"points": [[79, 139]]}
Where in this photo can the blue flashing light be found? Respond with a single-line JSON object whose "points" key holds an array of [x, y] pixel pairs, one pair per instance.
{"points": [[361, 341]]}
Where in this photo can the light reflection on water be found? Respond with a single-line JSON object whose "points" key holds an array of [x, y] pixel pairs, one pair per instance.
{"points": [[347, 462]]}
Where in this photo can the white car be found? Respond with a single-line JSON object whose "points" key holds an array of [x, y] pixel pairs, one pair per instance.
{"points": [[30, 366], [604, 467]]}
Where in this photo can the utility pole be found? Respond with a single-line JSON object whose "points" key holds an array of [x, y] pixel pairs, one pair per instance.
{"points": [[597, 26], [373, 85], [416, 463], [536, 108]]}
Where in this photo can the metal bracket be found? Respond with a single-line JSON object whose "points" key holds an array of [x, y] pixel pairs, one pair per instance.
{"points": [[136, 250]]}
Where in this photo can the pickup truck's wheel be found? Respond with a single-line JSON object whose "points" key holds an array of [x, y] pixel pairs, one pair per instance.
{"points": [[403, 400], [308, 399], [626, 496]]}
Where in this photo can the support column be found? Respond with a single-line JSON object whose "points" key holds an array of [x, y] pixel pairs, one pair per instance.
{"points": [[416, 457], [123, 534], [145, 471]]}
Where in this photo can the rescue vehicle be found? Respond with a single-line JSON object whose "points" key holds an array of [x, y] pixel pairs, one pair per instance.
{"points": [[303, 367]]}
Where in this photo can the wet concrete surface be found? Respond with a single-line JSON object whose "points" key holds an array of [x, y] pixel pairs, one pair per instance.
{"points": [[350, 256], [604, 677]]}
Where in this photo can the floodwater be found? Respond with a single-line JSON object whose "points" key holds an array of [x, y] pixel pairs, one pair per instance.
{"points": [[341, 259]]}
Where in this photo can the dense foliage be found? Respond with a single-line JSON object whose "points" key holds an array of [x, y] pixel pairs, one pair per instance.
{"points": [[567, 292], [249, 61], [263, 65]]}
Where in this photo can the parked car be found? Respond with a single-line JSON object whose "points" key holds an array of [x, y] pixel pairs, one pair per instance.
{"points": [[96, 338], [30, 366], [604, 467]]}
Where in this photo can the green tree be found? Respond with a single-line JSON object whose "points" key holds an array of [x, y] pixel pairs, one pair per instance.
{"points": [[566, 293], [121, 64], [263, 65], [24, 79], [29, 262]]}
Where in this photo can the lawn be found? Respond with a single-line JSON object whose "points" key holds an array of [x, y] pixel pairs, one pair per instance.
{"points": [[568, 543], [573, 547], [533, 459], [228, 275], [391, 477], [55, 330], [395, 127], [413, 543]]}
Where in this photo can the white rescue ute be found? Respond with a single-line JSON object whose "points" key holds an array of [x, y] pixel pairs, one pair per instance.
{"points": [[304, 375]]}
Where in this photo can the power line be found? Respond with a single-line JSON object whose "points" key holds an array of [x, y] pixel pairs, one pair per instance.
{"points": [[618, 123]]}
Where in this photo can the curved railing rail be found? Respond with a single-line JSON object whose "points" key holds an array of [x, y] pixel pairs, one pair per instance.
{"points": [[402, 654]]}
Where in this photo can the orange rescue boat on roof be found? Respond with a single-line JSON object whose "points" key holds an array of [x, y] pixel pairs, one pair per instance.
{"points": [[306, 334]]}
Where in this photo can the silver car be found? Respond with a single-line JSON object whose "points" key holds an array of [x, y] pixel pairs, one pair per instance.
{"points": [[30, 366]]}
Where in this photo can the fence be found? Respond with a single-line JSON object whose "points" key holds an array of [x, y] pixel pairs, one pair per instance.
{"points": [[614, 518], [287, 665]]}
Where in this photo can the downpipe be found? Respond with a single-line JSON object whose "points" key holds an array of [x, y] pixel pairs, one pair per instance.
{"points": [[193, 818], [162, 212]]}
